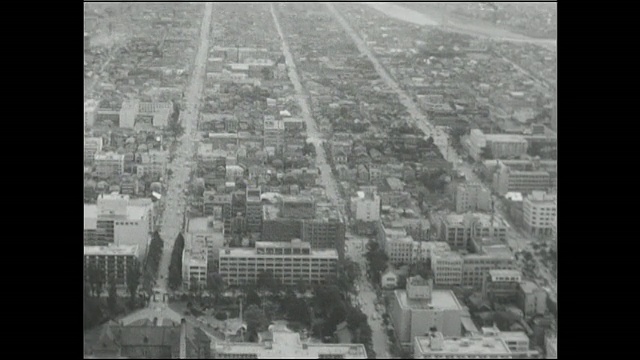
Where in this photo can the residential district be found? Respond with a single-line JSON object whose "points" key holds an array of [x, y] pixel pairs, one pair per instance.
{"points": [[319, 180]]}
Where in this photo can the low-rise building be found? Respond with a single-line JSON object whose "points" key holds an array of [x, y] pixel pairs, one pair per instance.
{"points": [[476, 267], [532, 299], [458, 230], [289, 263], [447, 268], [92, 146], [108, 164], [282, 343], [90, 111], [154, 163], [419, 308], [116, 219], [507, 179], [436, 346], [551, 346], [366, 206], [150, 341], [502, 286], [113, 261], [500, 146], [539, 210]]}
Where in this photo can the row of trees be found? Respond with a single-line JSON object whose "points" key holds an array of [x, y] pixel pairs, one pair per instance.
{"points": [[151, 265], [175, 267], [377, 260]]}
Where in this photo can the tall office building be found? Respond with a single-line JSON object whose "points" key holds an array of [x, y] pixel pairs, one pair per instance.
{"points": [[253, 210]]}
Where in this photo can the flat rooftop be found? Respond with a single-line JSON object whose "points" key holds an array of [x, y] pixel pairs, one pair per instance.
{"points": [[440, 300], [111, 250], [199, 225], [248, 252], [287, 344], [485, 219], [464, 346], [282, 244], [505, 138]]}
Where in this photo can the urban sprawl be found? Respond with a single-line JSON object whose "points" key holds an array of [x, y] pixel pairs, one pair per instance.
{"points": [[319, 180]]}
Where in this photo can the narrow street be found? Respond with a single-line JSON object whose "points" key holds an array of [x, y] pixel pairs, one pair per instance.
{"points": [[174, 199]]}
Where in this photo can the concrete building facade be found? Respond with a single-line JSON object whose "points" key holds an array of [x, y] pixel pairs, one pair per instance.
{"points": [[289, 263], [194, 263], [447, 268], [539, 210], [472, 197], [417, 309], [109, 164], [437, 346], [92, 146], [282, 343], [114, 261], [458, 230]]}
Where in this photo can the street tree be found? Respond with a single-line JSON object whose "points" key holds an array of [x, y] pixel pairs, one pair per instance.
{"points": [[256, 320], [133, 281], [112, 300], [215, 285]]}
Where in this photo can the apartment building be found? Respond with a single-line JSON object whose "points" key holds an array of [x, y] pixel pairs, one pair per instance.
{"points": [[459, 230], [417, 309], [539, 209], [502, 286], [447, 268], [281, 343], [116, 219], [108, 164], [472, 197], [114, 261], [92, 146], [194, 263], [288, 262], [366, 206], [436, 346]]}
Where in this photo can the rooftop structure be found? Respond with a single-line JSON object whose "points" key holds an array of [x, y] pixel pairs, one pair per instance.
{"points": [[437, 346], [115, 250], [283, 344]]}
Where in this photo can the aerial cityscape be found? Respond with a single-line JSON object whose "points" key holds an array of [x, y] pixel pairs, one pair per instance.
{"points": [[320, 180]]}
